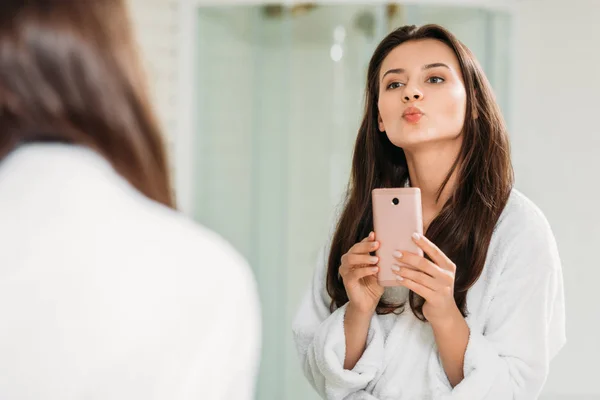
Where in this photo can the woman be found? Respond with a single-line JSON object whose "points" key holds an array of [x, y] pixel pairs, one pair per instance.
{"points": [[106, 292], [482, 315]]}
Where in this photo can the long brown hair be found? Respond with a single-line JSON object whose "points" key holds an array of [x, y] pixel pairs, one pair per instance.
{"points": [[69, 73], [464, 227]]}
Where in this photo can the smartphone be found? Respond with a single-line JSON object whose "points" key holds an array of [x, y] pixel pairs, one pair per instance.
{"points": [[397, 214]]}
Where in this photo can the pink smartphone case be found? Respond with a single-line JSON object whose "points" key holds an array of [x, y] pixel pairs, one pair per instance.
{"points": [[394, 225]]}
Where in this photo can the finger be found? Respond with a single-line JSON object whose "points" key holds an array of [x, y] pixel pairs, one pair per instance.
{"points": [[419, 277], [433, 252], [418, 288], [415, 261], [370, 237], [343, 270], [355, 260], [358, 273], [364, 247]]}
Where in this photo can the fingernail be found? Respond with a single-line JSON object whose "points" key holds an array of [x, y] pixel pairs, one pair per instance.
{"points": [[397, 254], [399, 278], [416, 236], [373, 245], [374, 260], [396, 267], [374, 269]]}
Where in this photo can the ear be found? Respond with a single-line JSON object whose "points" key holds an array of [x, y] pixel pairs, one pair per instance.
{"points": [[380, 123]]}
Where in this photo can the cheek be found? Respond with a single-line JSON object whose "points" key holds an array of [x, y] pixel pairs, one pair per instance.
{"points": [[389, 107], [383, 108], [454, 111]]}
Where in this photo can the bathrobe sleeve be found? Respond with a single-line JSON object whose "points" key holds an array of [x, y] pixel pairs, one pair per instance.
{"points": [[508, 354], [321, 344]]}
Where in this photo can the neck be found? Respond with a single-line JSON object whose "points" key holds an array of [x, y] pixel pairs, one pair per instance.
{"points": [[428, 167]]}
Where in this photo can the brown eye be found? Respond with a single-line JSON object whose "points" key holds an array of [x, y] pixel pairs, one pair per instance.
{"points": [[435, 79], [394, 85]]}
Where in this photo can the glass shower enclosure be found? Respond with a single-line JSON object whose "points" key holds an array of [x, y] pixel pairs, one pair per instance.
{"points": [[278, 100]]}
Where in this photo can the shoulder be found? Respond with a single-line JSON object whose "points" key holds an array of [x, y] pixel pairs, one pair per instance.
{"points": [[524, 231], [210, 270], [168, 240], [521, 217], [201, 247]]}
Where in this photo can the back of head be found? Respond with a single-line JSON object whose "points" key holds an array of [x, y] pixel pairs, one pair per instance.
{"points": [[69, 73]]}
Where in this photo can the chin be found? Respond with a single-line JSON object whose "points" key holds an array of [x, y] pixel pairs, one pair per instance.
{"points": [[411, 138], [416, 136]]}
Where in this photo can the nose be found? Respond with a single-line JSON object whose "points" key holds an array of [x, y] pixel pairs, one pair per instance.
{"points": [[412, 93]]}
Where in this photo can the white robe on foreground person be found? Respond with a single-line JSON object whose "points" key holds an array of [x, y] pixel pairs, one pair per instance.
{"points": [[516, 319], [105, 294]]}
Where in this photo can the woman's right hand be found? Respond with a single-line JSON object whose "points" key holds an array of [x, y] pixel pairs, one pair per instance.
{"points": [[358, 272]]}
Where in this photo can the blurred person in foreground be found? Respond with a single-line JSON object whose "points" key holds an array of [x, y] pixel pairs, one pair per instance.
{"points": [[106, 292]]}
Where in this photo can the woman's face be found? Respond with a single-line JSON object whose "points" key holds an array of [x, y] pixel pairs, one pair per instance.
{"points": [[422, 97]]}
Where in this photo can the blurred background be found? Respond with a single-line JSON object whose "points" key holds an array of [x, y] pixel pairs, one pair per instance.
{"points": [[261, 103]]}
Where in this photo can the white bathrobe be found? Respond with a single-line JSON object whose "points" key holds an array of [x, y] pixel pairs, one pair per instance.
{"points": [[516, 319], [105, 294]]}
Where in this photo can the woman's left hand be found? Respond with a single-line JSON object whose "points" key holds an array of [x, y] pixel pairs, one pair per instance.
{"points": [[434, 281]]}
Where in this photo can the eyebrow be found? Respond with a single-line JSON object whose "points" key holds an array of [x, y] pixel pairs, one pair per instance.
{"points": [[428, 66]]}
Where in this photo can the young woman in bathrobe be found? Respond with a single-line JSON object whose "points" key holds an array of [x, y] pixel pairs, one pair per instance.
{"points": [[482, 314]]}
